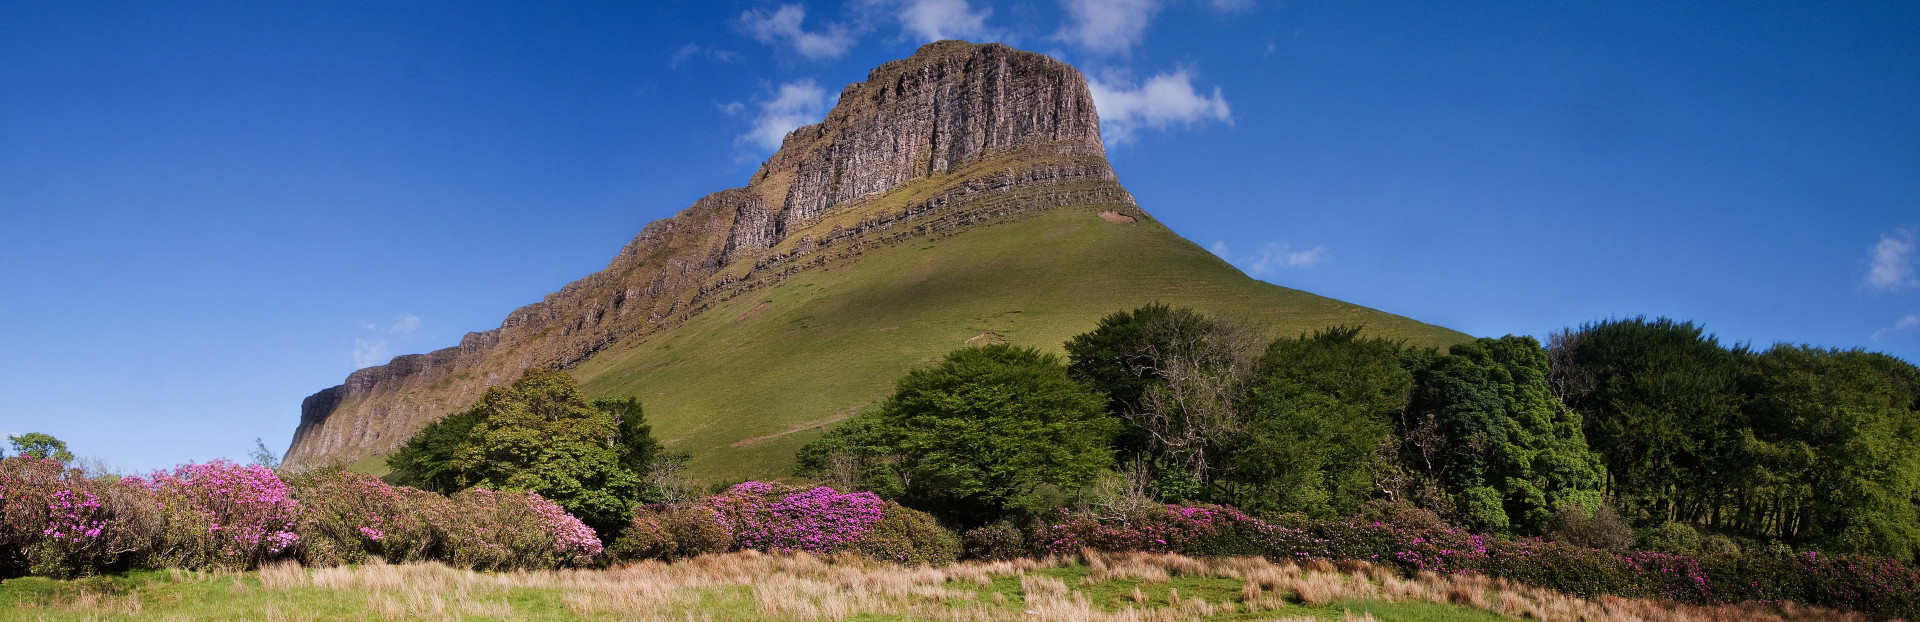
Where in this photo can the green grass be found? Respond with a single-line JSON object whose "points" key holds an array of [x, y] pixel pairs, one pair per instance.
{"points": [[746, 383], [159, 595]]}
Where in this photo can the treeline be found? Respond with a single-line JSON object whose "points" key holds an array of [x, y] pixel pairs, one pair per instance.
{"points": [[1650, 420]]}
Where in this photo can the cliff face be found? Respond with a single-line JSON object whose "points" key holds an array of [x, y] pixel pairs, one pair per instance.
{"points": [[954, 135]]}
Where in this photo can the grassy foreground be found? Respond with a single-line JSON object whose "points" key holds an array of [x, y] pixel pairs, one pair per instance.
{"points": [[754, 586]]}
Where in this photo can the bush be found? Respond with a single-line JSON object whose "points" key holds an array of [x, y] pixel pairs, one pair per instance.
{"points": [[1187, 529], [501, 530], [908, 536], [998, 541], [775, 518], [1601, 528], [220, 515], [55, 522], [1672, 537], [670, 532], [346, 518]]}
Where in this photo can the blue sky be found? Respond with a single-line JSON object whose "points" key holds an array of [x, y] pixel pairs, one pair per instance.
{"points": [[209, 211]]}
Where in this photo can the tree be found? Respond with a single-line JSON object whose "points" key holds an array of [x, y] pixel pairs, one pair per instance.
{"points": [[263, 456], [972, 438], [1661, 404], [539, 434], [1179, 380], [1317, 421], [42, 446], [1508, 451]]}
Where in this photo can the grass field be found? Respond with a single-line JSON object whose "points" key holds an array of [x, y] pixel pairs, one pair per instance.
{"points": [[752, 586], [745, 384]]}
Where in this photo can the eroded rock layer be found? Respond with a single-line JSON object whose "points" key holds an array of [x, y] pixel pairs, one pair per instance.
{"points": [[955, 135]]}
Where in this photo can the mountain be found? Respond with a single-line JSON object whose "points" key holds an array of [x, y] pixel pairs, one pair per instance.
{"points": [[959, 196]]}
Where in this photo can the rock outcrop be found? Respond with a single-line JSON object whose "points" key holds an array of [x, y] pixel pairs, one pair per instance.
{"points": [[955, 135]]}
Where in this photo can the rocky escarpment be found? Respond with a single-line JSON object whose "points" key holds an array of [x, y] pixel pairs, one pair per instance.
{"points": [[955, 135]]}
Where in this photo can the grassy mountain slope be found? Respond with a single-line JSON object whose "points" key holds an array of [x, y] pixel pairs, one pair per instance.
{"points": [[745, 384]]}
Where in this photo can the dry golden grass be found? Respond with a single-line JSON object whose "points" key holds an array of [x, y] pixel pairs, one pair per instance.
{"points": [[756, 586]]}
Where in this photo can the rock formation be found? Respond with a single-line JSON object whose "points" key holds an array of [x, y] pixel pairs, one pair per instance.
{"points": [[954, 135]]}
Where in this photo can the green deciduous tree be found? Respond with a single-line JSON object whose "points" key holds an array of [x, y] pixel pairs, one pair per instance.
{"points": [[973, 437], [1508, 450], [43, 446], [539, 434], [1317, 422]]}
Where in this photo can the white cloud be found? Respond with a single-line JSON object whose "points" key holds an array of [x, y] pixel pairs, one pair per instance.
{"points": [[405, 324], [369, 352], [794, 104], [782, 27], [1230, 6], [1161, 101], [1890, 267], [933, 20], [1907, 322], [1272, 258], [689, 51], [1109, 27]]}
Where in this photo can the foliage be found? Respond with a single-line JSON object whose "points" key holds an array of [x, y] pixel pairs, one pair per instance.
{"points": [[1317, 421], [1495, 436], [994, 542], [539, 435], [56, 522], [515, 530], [819, 520], [221, 515], [907, 536], [43, 446], [969, 438], [672, 531], [1672, 537], [347, 518], [1599, 528], [263, 456]]}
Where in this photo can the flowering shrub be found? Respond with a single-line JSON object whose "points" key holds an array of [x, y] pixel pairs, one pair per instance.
{"points": [[56, 522], [998, 541], [1198, 530], [495, 530], [818, 520], [346, 518], [221, 515]]}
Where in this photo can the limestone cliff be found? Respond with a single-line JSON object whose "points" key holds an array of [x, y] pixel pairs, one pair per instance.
{"points": [[954, 135]]}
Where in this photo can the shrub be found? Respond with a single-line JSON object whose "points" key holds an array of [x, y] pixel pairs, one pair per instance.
{"points": [[669, 532], [1195, 529], [346, 518], [1672, 537], [908, 536], [773, 518], [220, 515], [503, 530], [997, 541], [1601, 528], [56, 522]]}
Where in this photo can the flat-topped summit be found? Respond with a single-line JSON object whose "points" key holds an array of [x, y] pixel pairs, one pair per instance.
{"points": [[953, 135]]}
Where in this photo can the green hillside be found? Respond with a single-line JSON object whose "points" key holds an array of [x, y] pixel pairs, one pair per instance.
{"points": [[746, 383]]}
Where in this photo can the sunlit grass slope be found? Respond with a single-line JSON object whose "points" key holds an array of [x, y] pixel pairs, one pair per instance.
{"points": [[745, 384]]}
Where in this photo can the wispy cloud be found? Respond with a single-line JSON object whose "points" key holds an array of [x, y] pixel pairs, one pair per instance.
{"points": [[1162, 101], [691, 51], [368, 352], [933, 20], [783, 27], [1890, 266], [1109, 27], [1272, 258], [792, 105], [1909, 321], [405, 324], [1230, 6]]}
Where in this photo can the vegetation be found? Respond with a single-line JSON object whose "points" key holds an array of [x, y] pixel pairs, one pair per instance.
{"points": [[42, 446], [788, 361], [975, 437], [539, 435]]}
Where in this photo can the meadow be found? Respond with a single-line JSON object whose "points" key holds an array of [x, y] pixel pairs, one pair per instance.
{"points": [[748, 585]]}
